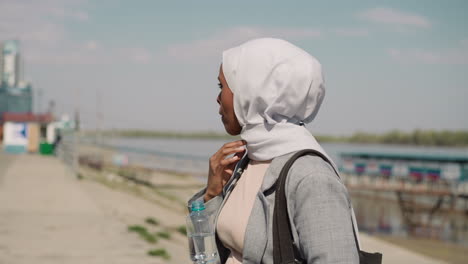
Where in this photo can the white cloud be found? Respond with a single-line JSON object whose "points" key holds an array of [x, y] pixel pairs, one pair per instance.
{"points": [[89, 53], [464, 42], [80, 15], [39, 25], [215, 44], [40, 21], [351, 32], [63, 12], [448, 57], [394, 17], [139, 55], [91, 45]]}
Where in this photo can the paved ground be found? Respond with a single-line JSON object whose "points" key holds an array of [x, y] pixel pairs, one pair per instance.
{"points": [[47, 216], [393, 254]]}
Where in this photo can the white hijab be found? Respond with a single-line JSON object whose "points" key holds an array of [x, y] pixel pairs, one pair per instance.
{"points": [[276, 86]]}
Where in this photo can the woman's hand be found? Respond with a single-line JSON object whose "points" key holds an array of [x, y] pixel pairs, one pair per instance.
{"points": [[221, 168]]}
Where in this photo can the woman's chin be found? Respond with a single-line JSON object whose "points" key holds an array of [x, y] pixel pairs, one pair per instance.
{"points": [[231, 131]]}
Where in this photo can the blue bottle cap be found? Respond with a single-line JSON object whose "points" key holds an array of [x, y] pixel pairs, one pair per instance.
{"points": [[198, 205]]}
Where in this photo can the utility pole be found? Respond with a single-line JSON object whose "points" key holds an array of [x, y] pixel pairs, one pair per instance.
{"points": [[39, 100], [99, 116]]}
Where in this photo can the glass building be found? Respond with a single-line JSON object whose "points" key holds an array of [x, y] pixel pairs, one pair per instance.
{"points": [[15, 99], [15, 95]]}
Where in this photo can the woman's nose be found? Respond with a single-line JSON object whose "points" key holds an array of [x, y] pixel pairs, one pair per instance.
{"points": [[218, 99]]}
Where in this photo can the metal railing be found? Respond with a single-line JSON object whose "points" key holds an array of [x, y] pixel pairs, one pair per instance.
{"points": [[67, 150]]}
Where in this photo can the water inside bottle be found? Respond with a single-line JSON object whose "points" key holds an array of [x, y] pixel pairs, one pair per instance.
{"points": [[204, 250]]}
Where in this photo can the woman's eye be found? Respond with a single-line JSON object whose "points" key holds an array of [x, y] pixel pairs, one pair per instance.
{"points": [[220, 86]]}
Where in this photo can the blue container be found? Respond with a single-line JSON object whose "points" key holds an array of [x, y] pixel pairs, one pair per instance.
{"points": [[15, 149]]}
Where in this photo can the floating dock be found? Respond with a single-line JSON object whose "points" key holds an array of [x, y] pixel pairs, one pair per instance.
{"points": [[423, 185]]}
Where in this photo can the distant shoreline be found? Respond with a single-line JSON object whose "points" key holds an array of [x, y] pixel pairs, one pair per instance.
{"points": [[442, 138]]}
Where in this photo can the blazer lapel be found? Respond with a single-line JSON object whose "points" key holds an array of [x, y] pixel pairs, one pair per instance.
{"points": [[256, 233], [238, 170], [256, 236]]}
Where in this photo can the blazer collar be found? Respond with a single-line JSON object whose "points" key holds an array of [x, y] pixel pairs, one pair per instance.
{"points": [[273, 171]]}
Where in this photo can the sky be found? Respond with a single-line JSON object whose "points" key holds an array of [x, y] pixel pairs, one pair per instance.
{"points": [[154, 64]]}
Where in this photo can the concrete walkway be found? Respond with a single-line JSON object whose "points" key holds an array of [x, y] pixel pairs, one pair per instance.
{"points": [[45, 217], [394, 254]]}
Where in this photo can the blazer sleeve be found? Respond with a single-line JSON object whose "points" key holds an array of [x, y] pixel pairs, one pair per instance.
{"points": [[211, 207], [322, 218]]}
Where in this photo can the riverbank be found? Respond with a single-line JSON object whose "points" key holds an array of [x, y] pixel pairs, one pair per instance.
{"points": [[392, 253], [48, 215]]}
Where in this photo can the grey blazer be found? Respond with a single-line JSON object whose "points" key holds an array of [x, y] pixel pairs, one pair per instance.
{"points": [[319, 212]]}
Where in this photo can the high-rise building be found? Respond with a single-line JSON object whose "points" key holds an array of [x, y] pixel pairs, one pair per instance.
{"points": [[15, 94], [11, 65], [1, 64]]}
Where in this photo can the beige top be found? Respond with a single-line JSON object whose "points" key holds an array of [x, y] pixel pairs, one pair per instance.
{"points": [[234, 215]]}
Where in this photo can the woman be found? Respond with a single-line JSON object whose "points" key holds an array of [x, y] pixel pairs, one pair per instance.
{"points": [[269, 90]]}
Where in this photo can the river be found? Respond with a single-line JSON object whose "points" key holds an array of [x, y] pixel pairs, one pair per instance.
{"points": [[374, 215]]}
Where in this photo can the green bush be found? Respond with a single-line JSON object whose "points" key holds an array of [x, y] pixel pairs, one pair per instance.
{"points": [[159, 252], [129, 174], [149, 238], [182, 230], [144, 234], [152, 221], [164, 234], [137, 228]]}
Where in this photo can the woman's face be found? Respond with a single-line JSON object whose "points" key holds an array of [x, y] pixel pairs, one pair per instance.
{"points": [[226, 106]]}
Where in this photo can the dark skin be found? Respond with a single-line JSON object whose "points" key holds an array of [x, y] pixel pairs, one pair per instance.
{"points": [[225, 100], [221, 167]]}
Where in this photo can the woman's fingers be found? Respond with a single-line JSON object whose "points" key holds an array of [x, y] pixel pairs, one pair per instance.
{"points": [[221, 166], [236, 143], [240, 154], [232, 150], [226, 162]]}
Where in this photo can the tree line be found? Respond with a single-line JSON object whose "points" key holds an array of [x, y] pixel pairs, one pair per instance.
{"points": [[416, 137]]}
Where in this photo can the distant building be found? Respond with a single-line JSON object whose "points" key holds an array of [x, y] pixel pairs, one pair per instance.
{"points": [[11, 63], [23, 132], [1, 63], [15, 95]]}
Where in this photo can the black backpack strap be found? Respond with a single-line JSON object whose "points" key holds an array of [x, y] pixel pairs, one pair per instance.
{"points": [[283, 248], [284, 251]]}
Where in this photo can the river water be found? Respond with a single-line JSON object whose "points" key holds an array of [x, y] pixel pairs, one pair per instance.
{"points": [[374, 215]]}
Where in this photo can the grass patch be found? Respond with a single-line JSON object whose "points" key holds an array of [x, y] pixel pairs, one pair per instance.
{"points": [[182, 230], [137, 229], [152, 221], [127, 173], [144, 234], [164, 234], [159, 252]]}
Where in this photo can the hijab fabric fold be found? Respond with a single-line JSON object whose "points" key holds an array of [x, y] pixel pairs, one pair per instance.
{"points": [[277, 88]]}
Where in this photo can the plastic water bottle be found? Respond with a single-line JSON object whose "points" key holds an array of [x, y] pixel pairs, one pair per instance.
{"points": [[200, 233]]}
